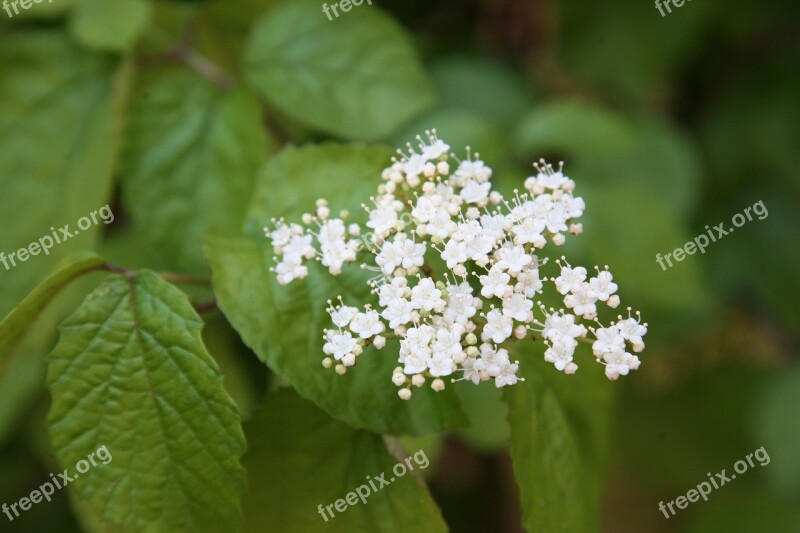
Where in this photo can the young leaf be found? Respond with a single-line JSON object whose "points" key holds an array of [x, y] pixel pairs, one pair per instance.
{"points": [[21, 317], [356, 76], [192, 155], [130, 373], [113, 26], [299, 459], [559, 444]]}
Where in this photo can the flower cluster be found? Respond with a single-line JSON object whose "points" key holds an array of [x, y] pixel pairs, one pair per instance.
{"points": [[457, 273]]}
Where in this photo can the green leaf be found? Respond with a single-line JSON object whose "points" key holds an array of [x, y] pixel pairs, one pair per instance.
{"points": [[300, 459], [560, 442], [107, 25], [21, 317], [283, 325], [288, 186], [59, 120], [608, 148], [130, 372], [356, 76], [778, 431], [192, 155], [480, 86]]}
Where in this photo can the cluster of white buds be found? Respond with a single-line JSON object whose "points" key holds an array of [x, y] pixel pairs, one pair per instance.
{"points": [[457, 273]]}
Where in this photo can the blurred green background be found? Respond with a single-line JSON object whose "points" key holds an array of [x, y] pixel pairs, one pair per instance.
{"points": [[667, 124]]}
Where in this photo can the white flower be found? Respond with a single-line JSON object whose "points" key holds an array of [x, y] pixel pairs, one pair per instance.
{"points": [[280, 236], [339, 344], [528, 282], [551, 181], [602, 285], [454, 253], [398, 312], [507, 375], [608, 339], [494, 283], [441, 226], [448, 341], [473, 368], [479, 246], [441, 365], [331, 231], [518, 307], [392, 291], [633, 331], [618, 363], [435, 150], [425, 209], [487, 242], [473, 169], [493, 226], [582, 300], [299, 246], [529, 231], [367, 325], [413, 253], [570, 279], [494, 359], [513, 259], [390, 257], [474, 192], [560, 354], [498, 326], [342, 315], [416, 362], [460, 304], [426, 296], [290, 269]]}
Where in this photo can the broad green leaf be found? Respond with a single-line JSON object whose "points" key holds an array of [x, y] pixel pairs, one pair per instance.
{"points": [[486, 88], [356, 77], [108, 25], [59, 119], [778, 430], [130, 373], [283, 325], [288, 186], [191, 157], [21, 317], [560, 442], [607, 148], [300, 459]]}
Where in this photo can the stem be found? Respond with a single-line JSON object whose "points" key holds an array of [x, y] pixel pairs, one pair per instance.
{"points": [[206, 307], [171, 277], [184, 52]]}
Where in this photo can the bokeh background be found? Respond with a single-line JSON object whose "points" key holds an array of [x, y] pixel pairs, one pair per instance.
{"points": [[667, 123]]}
